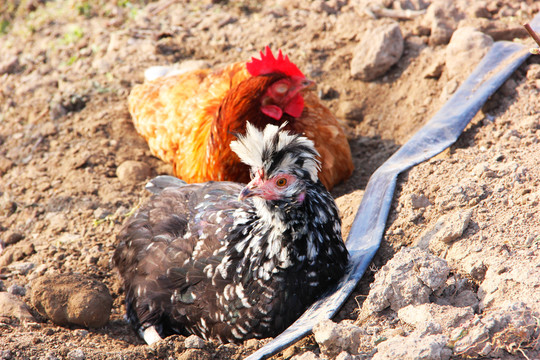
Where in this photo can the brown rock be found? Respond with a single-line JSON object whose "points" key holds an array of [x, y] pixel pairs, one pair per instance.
{"points": [[72, 299], [133, 172], [194, 354], [10, 66], [12, 306], [15, 253], [5, 165], [12, 237]]}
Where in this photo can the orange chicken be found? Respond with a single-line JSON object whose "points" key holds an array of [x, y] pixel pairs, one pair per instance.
{"points": [[190, 119]]}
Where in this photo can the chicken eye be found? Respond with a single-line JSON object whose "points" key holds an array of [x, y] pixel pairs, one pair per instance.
{"points": [[282, 88], [281, 182]]}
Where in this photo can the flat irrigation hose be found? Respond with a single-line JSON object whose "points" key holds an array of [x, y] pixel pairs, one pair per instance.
{"points": [[368, 226]]}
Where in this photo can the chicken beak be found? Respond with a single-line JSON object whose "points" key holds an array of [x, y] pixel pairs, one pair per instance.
{"points": [[307, 84], [250, 190], [246, 193]]}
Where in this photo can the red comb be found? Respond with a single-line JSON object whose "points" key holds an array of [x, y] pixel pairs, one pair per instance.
{"points": [[269, 64]]}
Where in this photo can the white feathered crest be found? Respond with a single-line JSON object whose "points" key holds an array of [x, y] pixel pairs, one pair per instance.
{"points": [[277, 150]]}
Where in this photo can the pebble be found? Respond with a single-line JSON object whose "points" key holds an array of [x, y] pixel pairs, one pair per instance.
{"points": [[7, 205], [380, 48], [81, 333], [17, 290], [442, 17], [334, 338], [57, 222], [12, 306], [72, 299], [194, 354], [22, 268], [446, 230], [49, 356], [465, 50], [6, 354], [410, 277], [434, 71], [533, 72], [433, 347], [440, 317], [194, 342], [351, 110], [47, 129], [133, 172], [419, 201], [511, 322], [344, 356], [5, 165], [16, 253], [12, 237], [308, 355], [10, 66], [76, 354]]}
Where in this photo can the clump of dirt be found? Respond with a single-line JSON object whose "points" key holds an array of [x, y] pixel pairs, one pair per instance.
{"points": [[66, 143]]}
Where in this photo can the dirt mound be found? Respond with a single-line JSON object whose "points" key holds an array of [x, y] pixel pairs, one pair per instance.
{"points": [[72, 167]]}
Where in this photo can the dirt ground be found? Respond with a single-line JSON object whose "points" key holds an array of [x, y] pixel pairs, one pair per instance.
{"points": [[66, 69]]}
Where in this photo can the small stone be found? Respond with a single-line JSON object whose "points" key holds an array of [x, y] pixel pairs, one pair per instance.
{"points": [[479, 10], [49, 356], [101, 213], [10, 66], [16, 253], [465, 50], [133, 172], [533, 72], [334, 338], [490, 331], [17, 290], [379, 49], [76, 354], [434, 71], [57, 222], [414, 346], [442, 17], [410, 277], [344, 356], [194, 354], [12, 306], [5, 165], [252, 344], [323, 6], [351, 110], [6, 355], [47, 129], [7, 205], [22, 268], [448, 229], [419, 201], [81, 332], [12, 237], [194, 342], [442, 316], [466, 298], [72, 299], [308, 355]]}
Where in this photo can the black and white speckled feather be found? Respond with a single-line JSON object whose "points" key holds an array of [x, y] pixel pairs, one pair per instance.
{"points": [[231, 261]]}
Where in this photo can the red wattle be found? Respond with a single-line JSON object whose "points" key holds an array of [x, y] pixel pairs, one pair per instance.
{"points": [[295, 106], [273, 111]]}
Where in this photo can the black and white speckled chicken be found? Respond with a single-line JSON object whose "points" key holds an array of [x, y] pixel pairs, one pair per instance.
{"points": [[230, 261]]}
